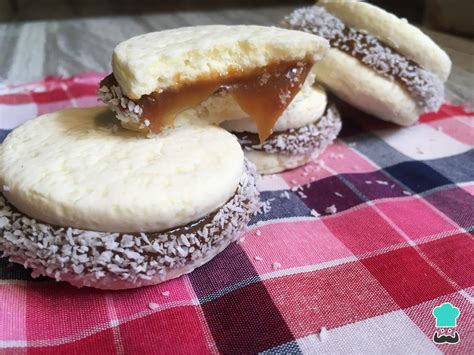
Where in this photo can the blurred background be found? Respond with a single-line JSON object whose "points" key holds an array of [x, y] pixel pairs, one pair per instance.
{"points": [[452, 16], [67, 37]]}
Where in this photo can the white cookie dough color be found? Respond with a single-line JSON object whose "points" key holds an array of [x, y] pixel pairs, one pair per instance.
{"points": [[377, 62], [160, 76], [97, 205]]}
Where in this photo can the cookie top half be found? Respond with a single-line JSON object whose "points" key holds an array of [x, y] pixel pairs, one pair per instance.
{"points": [[77, 168], [397, 32], [158, 61]]}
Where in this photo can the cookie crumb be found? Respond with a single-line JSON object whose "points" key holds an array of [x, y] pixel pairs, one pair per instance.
{"points": [[302, 194], [258, 258], [276, 265], [314, 213], [266, 206], [331, 209], [336, 156], [166, 293], [323, 334], [153, 306], [338, 194]]}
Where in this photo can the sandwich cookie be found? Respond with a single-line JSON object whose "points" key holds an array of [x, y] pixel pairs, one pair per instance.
{"points": [[169, 78], [378, 62], [302, 132], [93, 204], [96, 205]]}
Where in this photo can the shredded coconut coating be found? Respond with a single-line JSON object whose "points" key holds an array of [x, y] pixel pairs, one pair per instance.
{"points": [[425, 87], [125, 109], [298, 141], [85, 257]]}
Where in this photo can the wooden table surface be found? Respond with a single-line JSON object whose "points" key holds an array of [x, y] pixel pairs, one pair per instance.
{"points": [[31, 50]]}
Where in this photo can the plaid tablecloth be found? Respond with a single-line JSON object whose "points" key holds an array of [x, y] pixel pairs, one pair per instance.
{"points": [[364, 277]]}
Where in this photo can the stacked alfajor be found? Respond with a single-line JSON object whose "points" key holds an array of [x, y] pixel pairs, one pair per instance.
{"points": [[113, 204]]}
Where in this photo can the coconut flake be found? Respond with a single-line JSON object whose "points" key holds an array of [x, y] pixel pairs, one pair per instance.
{"points": [[125, 109]]}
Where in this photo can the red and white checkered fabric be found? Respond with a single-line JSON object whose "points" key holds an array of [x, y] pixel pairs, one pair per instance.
{"points": [[399, 245]]}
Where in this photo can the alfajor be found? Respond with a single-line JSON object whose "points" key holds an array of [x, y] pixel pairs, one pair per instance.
{"points": [[378, 62], [165, 79], [307, 126], [96, 205]]}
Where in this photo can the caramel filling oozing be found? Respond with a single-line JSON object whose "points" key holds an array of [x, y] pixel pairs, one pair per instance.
{"points": [[263, 94]]}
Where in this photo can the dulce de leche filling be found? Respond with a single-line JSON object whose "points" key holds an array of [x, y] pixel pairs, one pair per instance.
{"points": [[263, 93]]}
